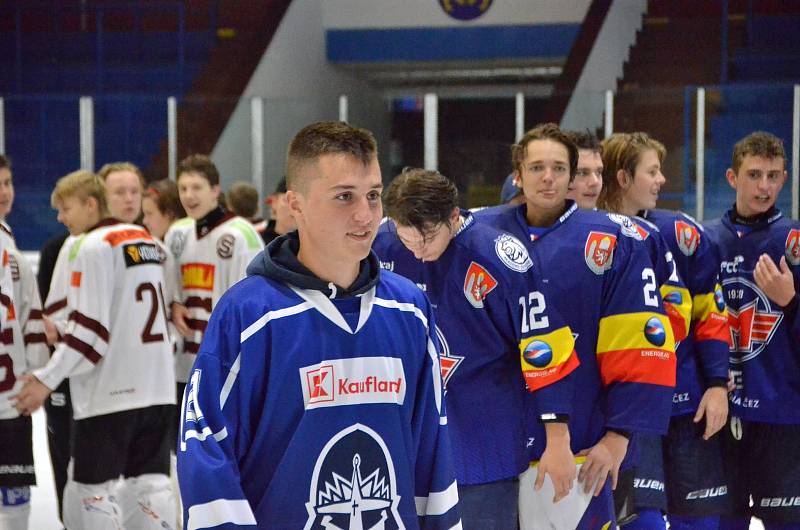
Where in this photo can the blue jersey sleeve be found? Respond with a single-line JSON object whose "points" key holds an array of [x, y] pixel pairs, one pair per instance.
{"points": [[435, 490], [208, 454]]}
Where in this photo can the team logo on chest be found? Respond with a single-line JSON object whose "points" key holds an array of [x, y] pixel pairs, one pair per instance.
{"points": [[478, 283], [687, 236], [793, 247], [751, 318], [599, 251], [447, 361], [354, 484], [512, 253], [628, 227]]}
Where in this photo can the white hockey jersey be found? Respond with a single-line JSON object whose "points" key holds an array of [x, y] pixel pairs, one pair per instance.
{"points": [[209, 259], [55, 307], [27, 302], [13, 361], [115, 349]]}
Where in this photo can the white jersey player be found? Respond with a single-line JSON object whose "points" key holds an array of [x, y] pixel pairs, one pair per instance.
{"points": [[211, 248], [116, 352]]}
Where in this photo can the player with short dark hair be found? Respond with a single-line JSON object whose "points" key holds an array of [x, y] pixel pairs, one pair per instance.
{"points": [[483, 284], [760, 273], [211, 248], [588, 181], [316, 399], [243, 201]]}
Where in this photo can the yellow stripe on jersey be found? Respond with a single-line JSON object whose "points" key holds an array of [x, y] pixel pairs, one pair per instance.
{"points": [[627, 331], [578, 461], [678, 305], [547, 358], [710, 316]]}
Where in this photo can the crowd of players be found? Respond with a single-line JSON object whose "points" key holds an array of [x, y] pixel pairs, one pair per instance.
{"points": [[601, 362]]}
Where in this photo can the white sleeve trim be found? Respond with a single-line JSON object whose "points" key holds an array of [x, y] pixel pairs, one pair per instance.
{"points": [[439, 502], [220, 511]]}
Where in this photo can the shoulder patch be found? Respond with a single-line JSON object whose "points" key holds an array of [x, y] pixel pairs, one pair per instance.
{"points": [[478, 283], [628, 227], [225, 245], [793, 247], [512, 253], [687, 236], [177, 242], [599, 251]]}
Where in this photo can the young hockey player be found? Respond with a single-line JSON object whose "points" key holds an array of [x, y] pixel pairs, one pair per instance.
{"points": [[117, 354], [623, 338], [316, 399]]}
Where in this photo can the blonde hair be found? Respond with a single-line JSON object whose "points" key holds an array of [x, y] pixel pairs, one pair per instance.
{"points": [[107, 169], [83, 185], [623, 151]]}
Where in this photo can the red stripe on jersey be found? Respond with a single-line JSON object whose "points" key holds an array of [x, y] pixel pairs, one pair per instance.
{"points": [[90, 324], [55, 306], [197, 324], [715, 327], [120, 236], [196, 301], [652, 366], [84, 349], [677, 322], [191, 346], [75, 280], [536, 379], [35, 338], [6, 301], [7, 336], [35, 314]]}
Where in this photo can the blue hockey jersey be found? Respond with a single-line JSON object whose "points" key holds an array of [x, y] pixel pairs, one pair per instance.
{"points": [[311, 409], [765, 351], [703, 354], [674, 294], [607, 291], [492, 317]]}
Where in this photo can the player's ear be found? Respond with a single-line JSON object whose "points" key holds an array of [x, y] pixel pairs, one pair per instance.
{"points": [[730, 176], [295, 201], [622, 178]]}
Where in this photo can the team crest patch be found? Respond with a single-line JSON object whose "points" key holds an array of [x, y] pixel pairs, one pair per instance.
{"points": [[225, 246], [478, 283], [512, 253], [688, 237], [599, 251], [628, 227], [465, 9], [354, 484], [793, 247], [448, 362], [751, 318], [177, 243]]}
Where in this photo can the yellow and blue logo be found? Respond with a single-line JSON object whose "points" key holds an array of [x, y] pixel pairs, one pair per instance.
{"points": [[465, 9], [538, 354], [654, 332]]}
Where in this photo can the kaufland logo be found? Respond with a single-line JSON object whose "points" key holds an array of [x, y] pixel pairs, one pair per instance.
{"points": [[355, 381]]}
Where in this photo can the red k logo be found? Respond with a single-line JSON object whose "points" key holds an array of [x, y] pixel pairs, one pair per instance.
{"points": [[320, 384]]}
